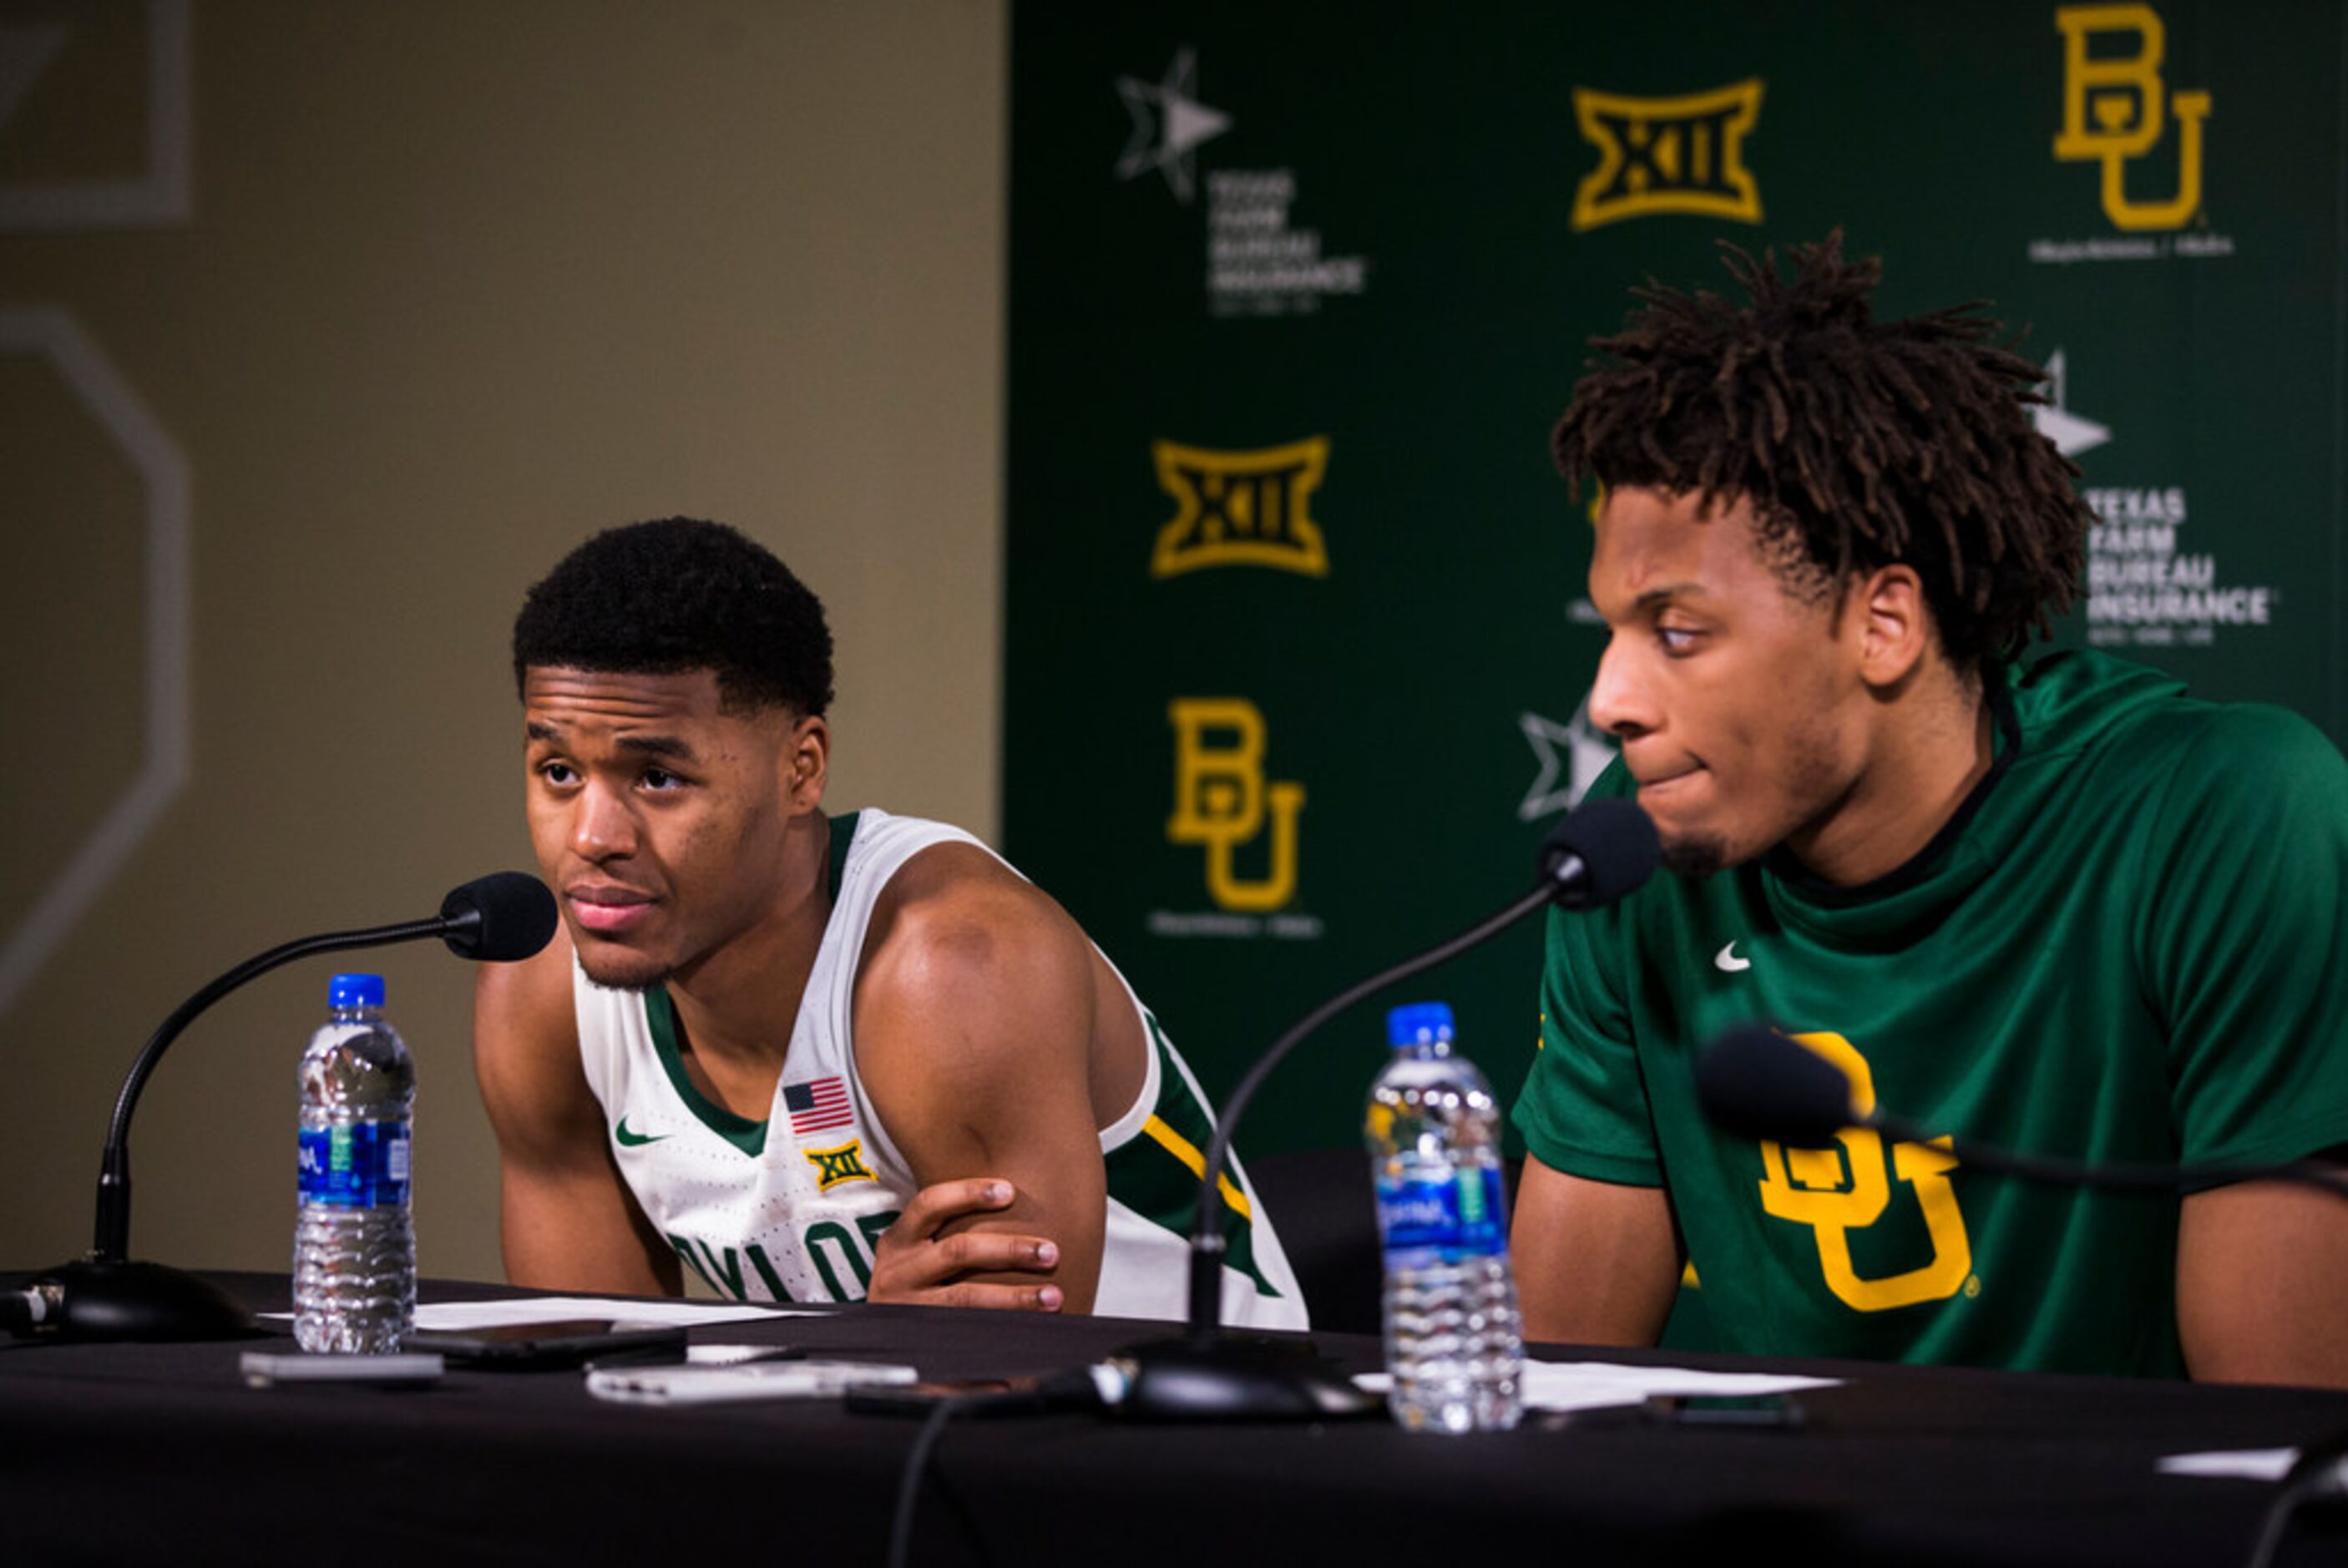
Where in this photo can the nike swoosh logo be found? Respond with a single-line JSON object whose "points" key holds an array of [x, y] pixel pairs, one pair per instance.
{"points": [[1726, 960], [636, 1139]]}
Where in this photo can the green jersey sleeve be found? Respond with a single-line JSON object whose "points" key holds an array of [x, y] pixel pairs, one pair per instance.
{"points": [[2242, 935], [1584, 1107]]}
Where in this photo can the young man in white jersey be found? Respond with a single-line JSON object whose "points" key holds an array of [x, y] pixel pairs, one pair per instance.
{"points": [[808, 1057]]}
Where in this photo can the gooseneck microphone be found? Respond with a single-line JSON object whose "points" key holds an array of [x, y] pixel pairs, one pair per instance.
{"points": [[1754, 1082], [500, 918], [1601, 852]]}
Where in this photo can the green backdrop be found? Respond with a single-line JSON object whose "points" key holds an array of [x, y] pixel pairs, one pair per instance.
{"points": [[1294, 647]]}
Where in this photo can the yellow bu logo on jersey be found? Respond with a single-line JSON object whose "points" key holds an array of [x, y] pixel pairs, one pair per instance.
{"points": [[845, 1164], [1668, 155], [1222, 801], [1241, 508], [1847, 1188], [2112, 110]]}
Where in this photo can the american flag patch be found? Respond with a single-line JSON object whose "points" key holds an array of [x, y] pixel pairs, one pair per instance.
{"points": [[819, 1105]]}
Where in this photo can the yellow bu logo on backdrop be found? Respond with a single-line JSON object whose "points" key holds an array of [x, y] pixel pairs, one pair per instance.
{"points": [[1222, 801], [1668, 155], [1847, 1188], [1241, 508], [2112, 110]]}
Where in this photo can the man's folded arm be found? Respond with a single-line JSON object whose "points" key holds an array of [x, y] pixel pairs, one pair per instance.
{"points": [[974, 1027]]}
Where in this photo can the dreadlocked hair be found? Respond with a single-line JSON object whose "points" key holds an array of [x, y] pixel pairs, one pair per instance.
{"points": [[1858, 444]]}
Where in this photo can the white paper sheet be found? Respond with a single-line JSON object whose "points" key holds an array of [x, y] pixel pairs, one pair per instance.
{"points": [[455, 1316], [1593, 1385], [2234, 1464], [445, 1316]]}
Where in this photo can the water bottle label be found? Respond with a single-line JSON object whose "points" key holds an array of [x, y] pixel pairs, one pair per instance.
{"points": [[355, 1165], [1458, 1216]]}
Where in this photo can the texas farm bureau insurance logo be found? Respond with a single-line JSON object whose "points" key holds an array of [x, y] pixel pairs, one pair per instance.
{"points": [[2121, 118], [1259, 261], [2148, 585], [1241, 508], [1683, 155], [1244, 822], [1850, 1186]]}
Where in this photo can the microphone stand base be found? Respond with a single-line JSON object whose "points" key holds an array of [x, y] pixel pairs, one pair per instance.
{"points": [[1223, 1379], [98, 1299]]}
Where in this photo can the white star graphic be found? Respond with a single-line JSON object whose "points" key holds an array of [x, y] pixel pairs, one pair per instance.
{"points": [[1587, 752], [1167, 124], [2071, 434]]}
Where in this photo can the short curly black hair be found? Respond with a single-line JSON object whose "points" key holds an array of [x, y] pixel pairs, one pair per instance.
{"points": [[1859, 443], [675, 594]]}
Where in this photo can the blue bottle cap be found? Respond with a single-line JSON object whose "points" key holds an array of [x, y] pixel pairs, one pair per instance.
{"points": [[354, 991], [1420, 1024]]}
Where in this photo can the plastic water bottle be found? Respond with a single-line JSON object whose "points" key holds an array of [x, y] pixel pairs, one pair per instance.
{"points": [[354, 1241], [1453, 1346]]}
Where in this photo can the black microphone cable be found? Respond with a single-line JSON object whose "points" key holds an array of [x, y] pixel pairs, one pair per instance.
{"points": [[500, 918], [1603, 851], [2316, 1475], [1073, 1390]]}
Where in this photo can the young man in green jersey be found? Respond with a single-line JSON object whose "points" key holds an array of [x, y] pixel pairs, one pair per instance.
{"points": [[2055, 905]]}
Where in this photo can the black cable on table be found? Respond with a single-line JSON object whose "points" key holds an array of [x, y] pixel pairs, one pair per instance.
{"points": [[917, 1465], [1071, 1391], [2317, 1474]]}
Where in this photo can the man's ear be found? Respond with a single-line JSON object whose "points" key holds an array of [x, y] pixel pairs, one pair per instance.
{"points": [[1895, 628], [806, 758]]}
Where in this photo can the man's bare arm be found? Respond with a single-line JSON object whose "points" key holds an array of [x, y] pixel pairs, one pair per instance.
{"points": [[568, 1222], [1597, 1263], [2261, 1271], [974, 1034]]}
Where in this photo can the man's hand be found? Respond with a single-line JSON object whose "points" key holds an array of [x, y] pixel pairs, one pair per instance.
{"points": [[920, 1263]]}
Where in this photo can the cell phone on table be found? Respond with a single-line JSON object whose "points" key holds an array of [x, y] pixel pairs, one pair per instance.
{"points": [[561, 1342], [1761, 1412], [921, 1398], [785, 1379]]}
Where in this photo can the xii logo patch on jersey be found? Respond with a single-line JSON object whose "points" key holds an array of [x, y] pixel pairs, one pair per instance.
{"points": [[1683, 154], [1849, 1187], [1222, 801], [834, 1166], [2113, 110], [1241, 508]]}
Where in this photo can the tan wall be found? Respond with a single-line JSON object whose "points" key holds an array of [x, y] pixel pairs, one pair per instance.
{"points": [[456, 284]]}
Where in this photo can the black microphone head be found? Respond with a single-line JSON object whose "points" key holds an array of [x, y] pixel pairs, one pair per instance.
{"points": [[1613, 843], [1756, 1083], [499, 918]]}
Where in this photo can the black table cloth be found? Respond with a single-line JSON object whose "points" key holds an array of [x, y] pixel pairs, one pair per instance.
{"points": [[129, 1453]]}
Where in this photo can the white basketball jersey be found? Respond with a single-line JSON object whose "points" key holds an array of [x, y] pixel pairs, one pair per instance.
{"points": [[791, 1208]]}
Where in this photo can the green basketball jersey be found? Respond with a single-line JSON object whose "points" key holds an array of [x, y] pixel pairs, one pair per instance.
{"points": [[2126, 946]]}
